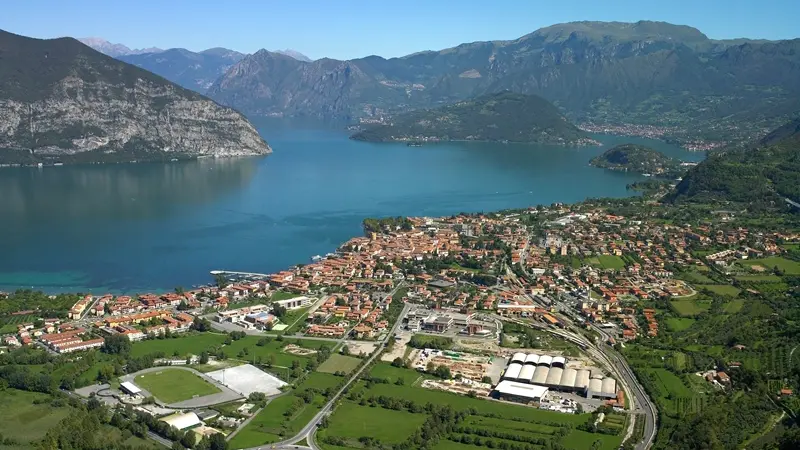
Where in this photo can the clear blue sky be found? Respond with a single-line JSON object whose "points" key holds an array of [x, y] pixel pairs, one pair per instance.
{"points": [[353, 28]]}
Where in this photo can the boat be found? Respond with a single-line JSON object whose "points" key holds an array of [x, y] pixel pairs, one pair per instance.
{"points": [[316, 258], [414, 144]]}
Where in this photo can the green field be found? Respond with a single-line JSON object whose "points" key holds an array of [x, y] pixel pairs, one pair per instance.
{"points": [[786, 265], [611, 262], [391, 374], [8, 324], [721, 289], [733, 306], [337, 363], [690, 306], [669, 384], [175, 385], [759, 278], [460, 402], [197, 343], [351, 421], [24, 421], [679, 323]]}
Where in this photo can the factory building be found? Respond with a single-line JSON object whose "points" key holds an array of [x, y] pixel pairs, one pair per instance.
{"points": [[551, 372], [519, 392]]}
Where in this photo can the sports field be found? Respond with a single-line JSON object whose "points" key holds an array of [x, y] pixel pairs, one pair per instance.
{"points": [[175, 385], [339, 363]]}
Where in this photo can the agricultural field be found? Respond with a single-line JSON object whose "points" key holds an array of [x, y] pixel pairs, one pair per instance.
{"points": [[8, 323], [691, 306], [733, 306], [374, 409], [175, 385], [763, 278], [351, 421], [339, 363], [679, 323], [696, 275], [786, 265], [24, 421], [611, 262], [721, 289]]}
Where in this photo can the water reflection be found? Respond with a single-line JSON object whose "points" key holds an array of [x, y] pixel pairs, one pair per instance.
{"points": [[121, 191]]}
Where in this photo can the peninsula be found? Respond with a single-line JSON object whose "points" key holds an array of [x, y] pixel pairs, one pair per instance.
{"points": [[501, 117], [640, 159]]}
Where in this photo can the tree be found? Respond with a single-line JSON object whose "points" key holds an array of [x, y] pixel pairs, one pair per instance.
{"points": [[278, 310], [188, 440], [398, 362], [183, 306], [116, 344], [217, 442], [345, 350], [220, 280], [201, 324], [203, 357]]}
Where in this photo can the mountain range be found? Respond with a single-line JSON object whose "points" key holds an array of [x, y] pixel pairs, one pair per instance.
{"points": [[61, 101], [192, 70], [504, 116], [606, 72]]}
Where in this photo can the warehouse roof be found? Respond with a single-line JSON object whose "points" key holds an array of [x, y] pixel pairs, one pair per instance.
{"points": [[513, 371], [532, 359], [531, 391], [527, 372], [182, 421], [130, 388]]}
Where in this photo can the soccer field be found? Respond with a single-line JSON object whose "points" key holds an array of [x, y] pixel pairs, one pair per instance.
{"points": [[175, 385]]}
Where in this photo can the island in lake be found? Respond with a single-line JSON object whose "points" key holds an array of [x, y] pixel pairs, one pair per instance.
{"points": [[501, 117], [640, 159]]}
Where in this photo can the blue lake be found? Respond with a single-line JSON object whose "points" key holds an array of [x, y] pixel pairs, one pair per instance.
{"points": [[140, 227]]}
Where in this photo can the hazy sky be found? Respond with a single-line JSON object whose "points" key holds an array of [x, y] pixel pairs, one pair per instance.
{"points": [[353, 28]]}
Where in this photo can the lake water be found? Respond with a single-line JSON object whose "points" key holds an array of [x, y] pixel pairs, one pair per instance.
{"points": [[140, 227]]}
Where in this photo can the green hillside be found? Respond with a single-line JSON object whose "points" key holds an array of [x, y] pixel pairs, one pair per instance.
{"points": [[497, 117], [637, 158]]}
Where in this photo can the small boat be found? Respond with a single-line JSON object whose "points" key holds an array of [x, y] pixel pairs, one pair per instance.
{"points": [[414, 144], [316, 258]]}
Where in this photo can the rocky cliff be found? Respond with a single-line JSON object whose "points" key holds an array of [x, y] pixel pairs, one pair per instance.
{"points": [[61, 101]]}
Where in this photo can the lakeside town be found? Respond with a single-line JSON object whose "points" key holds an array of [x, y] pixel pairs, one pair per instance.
{"points": [[522, 306]]}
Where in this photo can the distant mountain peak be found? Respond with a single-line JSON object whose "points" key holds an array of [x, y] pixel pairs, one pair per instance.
{"points": [[111, 49], [294, 54]]}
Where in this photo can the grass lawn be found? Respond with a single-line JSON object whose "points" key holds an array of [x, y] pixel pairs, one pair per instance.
{"points": [[338, 362], [679, 323], [611, 262], [198, 342], [351, 421], [721, 289], [689, 306], [693, 275], [321, 381], [24, 421], [281, 295], [391, 373], [175, 385], [733, 306], [787, 265]]}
